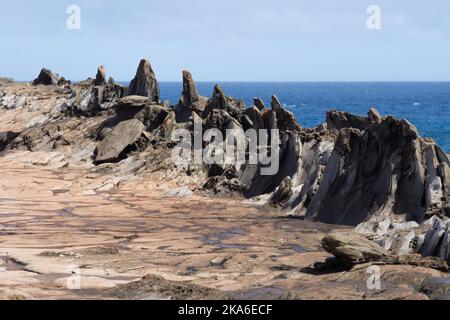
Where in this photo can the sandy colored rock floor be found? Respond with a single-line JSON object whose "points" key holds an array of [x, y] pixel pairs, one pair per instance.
{"points": [[67, 234]]}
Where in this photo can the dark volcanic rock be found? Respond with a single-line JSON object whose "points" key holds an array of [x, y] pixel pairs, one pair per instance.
{"points": [[145, 83], [142, 109], [92, 100], [285, 120], [385, 168], [47, 77], [219, 101], [340, 120], [100, 79], [190, 100], [122, 137], [6, 138], [190, 95]]}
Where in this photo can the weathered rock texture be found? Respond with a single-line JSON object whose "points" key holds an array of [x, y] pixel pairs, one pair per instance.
{"points": [[190, 100], [375, 173], [121, 138], [352, 248], [100, 78], [47, 78], [145, 83], [90, 98]]}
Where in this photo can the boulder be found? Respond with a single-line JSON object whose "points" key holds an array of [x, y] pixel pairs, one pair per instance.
{"points": [[47, 78], [145, 83], [142, 109], [119, 141], [353, 248], [100, 78]]}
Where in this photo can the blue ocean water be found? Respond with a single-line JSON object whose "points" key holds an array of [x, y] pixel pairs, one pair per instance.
{"points": [[425, 104]]}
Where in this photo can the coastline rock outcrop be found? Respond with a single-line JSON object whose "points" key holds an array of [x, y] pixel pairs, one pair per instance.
{"points": [[119, 141], [145, 83], [374, 173], [142, 109], [92, 97], [190, 100], [47, 77], [259, 104], [376, 168], [100, 78]]}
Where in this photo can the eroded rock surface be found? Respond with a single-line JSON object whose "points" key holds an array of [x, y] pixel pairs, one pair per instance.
{"points": [[374, 173], [121, 138], [145, 83], [47, 78]]}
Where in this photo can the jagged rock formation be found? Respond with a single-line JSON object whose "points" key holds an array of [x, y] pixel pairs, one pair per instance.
{"points": [[145, 83], [47, 78], [349, 247], [259, 104], [93, 96], [100, 78], [375, 173], [123, 136], [190, 100]]}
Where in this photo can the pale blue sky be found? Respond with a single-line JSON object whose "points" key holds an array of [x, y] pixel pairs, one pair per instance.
{"points": [[229, 40]]}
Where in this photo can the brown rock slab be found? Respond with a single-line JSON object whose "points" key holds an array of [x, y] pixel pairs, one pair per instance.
{"points": [[121, 137]]}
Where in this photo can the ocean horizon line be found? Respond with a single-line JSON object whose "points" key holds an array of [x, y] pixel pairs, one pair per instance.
{"points": [[278, 81]]}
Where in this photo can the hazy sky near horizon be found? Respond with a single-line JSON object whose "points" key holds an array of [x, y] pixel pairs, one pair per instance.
{"points": [[232, 40]]}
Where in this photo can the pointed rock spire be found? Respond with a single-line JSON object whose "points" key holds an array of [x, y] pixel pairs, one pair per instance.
{"points": [[374, 115], [145, 83], [100, 78], [190, 102], [190, 94], [219, 98], [285, 119], [259, 104], [276, 104]]}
